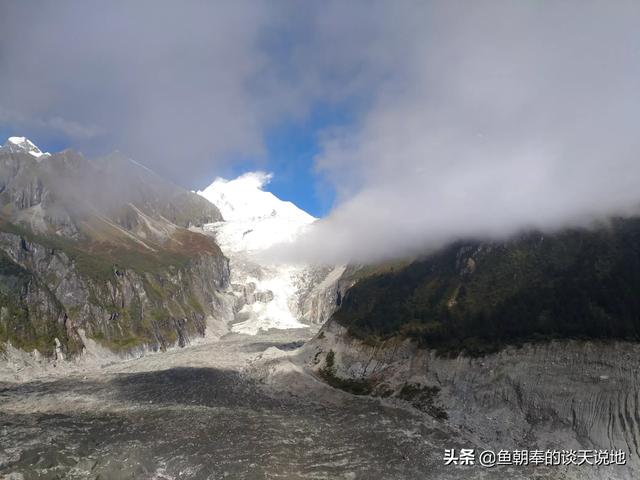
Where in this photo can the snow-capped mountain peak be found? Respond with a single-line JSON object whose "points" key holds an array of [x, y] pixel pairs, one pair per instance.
{"points": [[254, 218], [243, 198], [23, 145]]}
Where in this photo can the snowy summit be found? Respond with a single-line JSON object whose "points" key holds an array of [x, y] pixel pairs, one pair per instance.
{"points": [[23, 145], [254, 218], [244, 198]]}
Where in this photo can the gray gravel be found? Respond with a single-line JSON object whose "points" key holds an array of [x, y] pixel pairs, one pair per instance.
{"points": [[194, 414], [136, 420]]}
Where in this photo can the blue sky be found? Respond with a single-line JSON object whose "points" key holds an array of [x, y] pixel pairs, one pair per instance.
{"points": [[291, 149]]}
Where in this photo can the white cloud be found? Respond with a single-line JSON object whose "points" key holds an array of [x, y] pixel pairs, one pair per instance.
{"points": [[69, 128], [494, 117], [471, 118]]}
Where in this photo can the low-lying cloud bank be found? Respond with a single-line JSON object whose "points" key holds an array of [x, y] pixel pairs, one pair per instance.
{"points": [[465, 118], [496, 117]]}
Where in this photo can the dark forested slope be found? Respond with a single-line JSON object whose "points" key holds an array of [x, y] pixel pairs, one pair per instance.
{"points": [[479, 296]]}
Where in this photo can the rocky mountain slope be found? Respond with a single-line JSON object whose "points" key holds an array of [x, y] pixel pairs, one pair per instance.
{"points": [[102, 249]]}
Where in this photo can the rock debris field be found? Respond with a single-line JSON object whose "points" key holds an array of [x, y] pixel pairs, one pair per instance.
{"points": [[192, 413], [201, 413]]}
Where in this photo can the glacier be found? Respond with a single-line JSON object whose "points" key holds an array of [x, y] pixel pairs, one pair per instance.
{"points": [[268, 294]]}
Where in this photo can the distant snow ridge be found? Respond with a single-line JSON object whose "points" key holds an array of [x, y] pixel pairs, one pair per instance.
{"points": [[23, 145], [254, 220]]}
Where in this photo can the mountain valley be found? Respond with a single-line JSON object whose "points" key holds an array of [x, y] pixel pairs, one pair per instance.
{"points": [[145, 334]]}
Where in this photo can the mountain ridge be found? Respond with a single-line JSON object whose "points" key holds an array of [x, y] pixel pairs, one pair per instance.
{"points": [[23, 145], [105, 247]]}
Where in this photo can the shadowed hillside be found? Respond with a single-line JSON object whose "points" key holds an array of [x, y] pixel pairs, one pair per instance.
{"points": [[479, 296]]}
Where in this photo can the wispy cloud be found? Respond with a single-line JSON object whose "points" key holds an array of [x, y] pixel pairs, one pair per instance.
{"points": [[173, 84], [69, 128]]}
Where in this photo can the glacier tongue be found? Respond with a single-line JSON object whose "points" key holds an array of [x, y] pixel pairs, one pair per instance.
{"points": [[268, 294]]}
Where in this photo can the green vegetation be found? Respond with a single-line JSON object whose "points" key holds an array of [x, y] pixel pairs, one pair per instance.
{"points": [[477, 297], [124, 343], [355, 387], [423, 398], [99, 260], [14, 312], [354, 273], [193, 302]]}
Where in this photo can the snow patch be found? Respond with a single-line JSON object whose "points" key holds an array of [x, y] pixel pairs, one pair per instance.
{"points": [[23, 145]]}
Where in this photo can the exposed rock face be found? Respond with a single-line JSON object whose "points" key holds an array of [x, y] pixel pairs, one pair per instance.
{"points": [[563, 394], [125, 310], [71, 196], [320, 292], [103, 247]]}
